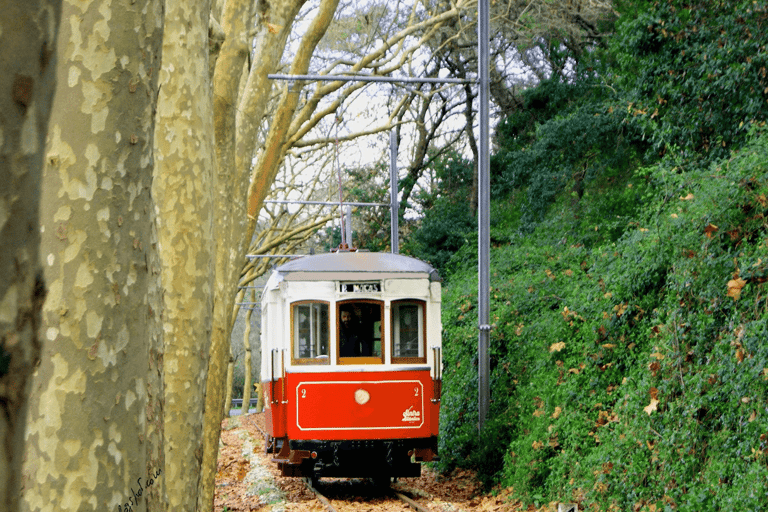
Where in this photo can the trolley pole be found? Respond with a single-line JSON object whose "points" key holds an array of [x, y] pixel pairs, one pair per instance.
{"points": [[395, 204], [483, 215], [348, 225]]}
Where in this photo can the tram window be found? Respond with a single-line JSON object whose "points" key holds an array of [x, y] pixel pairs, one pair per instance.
{"points": [[408, 332], [310, 332], [360, 332]]}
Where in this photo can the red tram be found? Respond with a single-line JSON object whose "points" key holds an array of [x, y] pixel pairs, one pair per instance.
{"points": [[351, 365]]}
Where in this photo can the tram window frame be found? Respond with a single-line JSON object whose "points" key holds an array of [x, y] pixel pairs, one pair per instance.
{"points": [[376, 359], [321, 359], [421, 329]]}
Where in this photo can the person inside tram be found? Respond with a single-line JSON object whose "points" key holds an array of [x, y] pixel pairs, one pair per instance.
{"points": [[349, 335], [352, 342]]}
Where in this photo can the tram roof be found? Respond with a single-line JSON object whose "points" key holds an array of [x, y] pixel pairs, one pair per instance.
{"points": [[351, 265]]}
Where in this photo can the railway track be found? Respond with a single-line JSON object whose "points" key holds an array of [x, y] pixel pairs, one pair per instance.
{"points": [[347, 498], [387, 495]]}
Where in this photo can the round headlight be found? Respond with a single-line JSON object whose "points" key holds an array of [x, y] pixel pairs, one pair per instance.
{"points": [[362, 396]]}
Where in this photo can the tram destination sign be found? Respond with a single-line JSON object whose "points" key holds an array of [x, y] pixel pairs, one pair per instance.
{"points": [[372, 287]]}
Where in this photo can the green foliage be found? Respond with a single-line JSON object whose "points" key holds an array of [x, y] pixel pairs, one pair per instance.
{"points": [[633, 372], [567, 137], [448, 219], [371, 224], [694, 73], [681, 78], [373, 229], [332, 237], [451, 175], [629, 369], [442, 233]]}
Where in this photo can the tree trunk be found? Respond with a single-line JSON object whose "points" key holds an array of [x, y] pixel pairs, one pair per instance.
{"points": [[276, 18], [247, 345], [27, 75], [259, 397], [183, 189], [87, 439], [274, 150], [469, 130], [229, 204], [232, 113], [230, 374], [247, 382]]}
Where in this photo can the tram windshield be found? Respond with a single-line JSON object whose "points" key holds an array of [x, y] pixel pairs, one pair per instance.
{"points": [[359, 331]]}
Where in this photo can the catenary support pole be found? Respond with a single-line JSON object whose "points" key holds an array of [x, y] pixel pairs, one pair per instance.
{"points": [[483, 215], [395, 204]]}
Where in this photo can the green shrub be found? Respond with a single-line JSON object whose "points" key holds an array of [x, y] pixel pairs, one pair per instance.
{"points": [[695, 73], [631, 373]]}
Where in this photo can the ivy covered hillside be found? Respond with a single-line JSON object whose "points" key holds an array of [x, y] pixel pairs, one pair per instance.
{"points": [[629, 351]]}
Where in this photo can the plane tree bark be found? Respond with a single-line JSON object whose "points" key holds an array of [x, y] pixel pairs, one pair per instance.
{"points": [[248, 357], [94, 406], [225, 83], [236, 117], [183, 187], [27, 72]]}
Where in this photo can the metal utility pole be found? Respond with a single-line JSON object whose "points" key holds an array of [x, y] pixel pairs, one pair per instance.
{"points": [[483, 216]]}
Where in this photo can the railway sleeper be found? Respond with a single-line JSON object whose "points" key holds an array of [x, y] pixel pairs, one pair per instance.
{"points": [[370, 458]]}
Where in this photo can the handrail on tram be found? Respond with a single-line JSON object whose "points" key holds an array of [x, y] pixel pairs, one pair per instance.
{"points": [[272, 373], [438, 376]]}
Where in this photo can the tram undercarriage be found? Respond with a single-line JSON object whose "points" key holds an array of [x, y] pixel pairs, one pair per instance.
{"points": [[367, 458]]}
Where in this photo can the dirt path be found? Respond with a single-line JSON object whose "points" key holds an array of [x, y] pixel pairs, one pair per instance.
{"points": [[247, 481]]}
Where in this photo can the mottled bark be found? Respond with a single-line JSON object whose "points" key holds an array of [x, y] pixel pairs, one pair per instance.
{"points": [[155, 495], [230, 374], [183, 191], [229, 204], [27, 73], [87, 445]]}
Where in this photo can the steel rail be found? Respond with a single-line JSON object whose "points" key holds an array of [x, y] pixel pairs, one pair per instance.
{"points": [[405, 499], [320, 497], [329, 507]]}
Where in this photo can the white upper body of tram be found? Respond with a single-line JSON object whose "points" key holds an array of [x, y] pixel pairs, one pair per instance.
{"points": [[301, 306]]}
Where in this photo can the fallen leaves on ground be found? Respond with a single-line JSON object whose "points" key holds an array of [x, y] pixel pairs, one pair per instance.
{"points": [[457, 491]]}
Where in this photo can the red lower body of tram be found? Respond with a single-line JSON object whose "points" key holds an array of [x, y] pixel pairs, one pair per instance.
{"points": [[353, 424]]}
